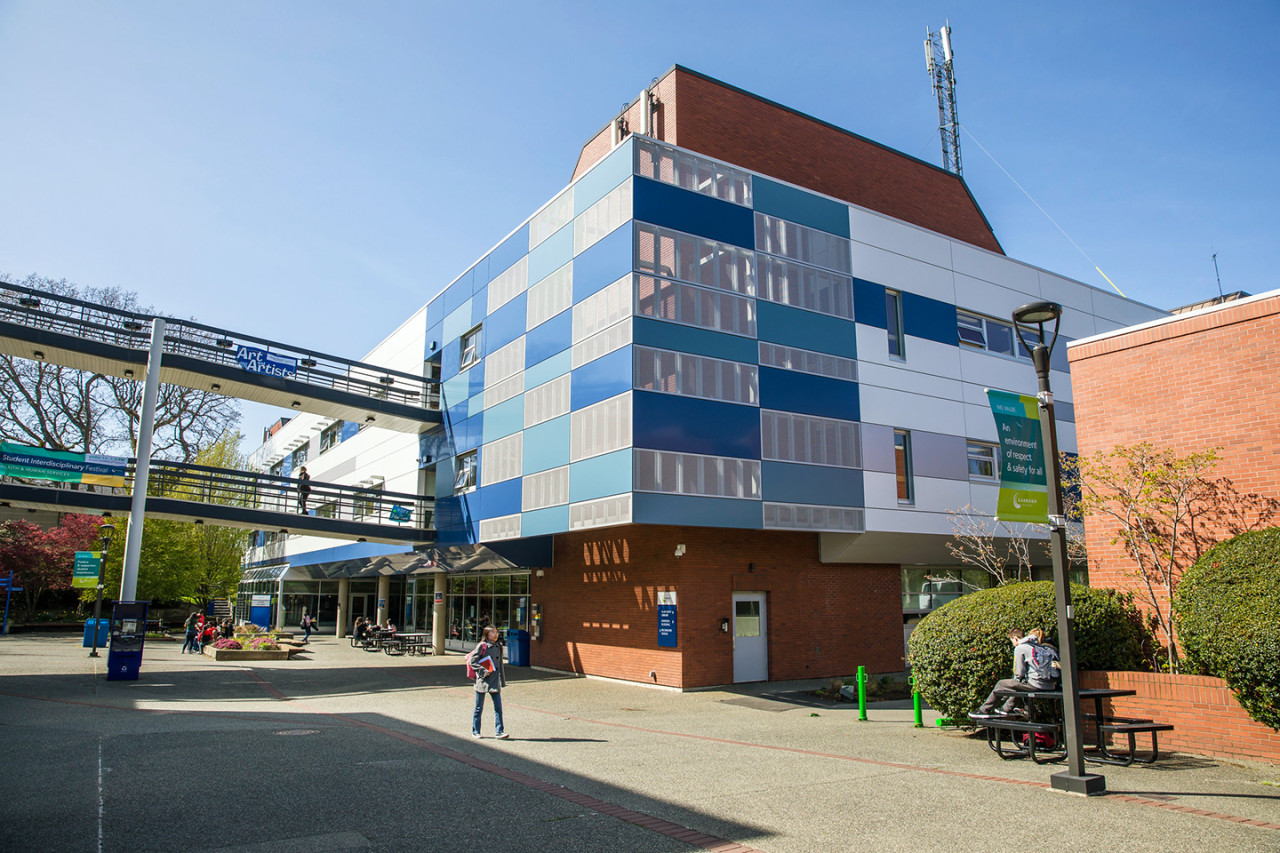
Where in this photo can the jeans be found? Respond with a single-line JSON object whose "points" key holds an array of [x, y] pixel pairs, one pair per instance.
{"points": [[497, 713], [1010, 702], [190, 641]]}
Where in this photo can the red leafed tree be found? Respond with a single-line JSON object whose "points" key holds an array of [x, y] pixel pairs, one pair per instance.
{"points": [[40, 559]]}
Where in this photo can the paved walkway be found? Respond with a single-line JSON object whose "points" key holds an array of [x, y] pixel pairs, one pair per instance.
{"points": [[343, 750]]}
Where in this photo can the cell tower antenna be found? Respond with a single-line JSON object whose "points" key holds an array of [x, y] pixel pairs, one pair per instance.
{"points": [[1216, 275], [937, 51]]}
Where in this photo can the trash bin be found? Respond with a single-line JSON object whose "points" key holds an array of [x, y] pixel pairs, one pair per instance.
{"points": [[104, 632], [517, 647]]}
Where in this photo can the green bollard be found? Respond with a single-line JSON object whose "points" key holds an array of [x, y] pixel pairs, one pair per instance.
{"points": [[862, 694], [915, 703]]}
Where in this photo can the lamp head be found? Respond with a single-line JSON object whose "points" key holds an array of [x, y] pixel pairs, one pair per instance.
{"points": [[1037, 312]]}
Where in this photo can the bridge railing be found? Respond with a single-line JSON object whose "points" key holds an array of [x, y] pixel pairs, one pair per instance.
{"points": [[91, 321]]}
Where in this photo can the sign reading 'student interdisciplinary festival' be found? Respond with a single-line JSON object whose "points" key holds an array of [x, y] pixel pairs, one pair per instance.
{"points": [[254, 360], [1024, 494]]}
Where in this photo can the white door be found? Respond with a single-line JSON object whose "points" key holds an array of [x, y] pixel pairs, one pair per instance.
{"points": [[750, 637]]}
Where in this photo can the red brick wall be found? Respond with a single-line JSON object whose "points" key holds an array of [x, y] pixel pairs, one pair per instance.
{"points": [[737, 127], [1206, 717], [599, 603], [1209, 380]]}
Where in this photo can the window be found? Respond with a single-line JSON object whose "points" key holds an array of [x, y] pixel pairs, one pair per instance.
{"points": [[470, 344], [327, 510], [982, 461], [331, 436], [801, 243], [807, 361], [809, 439], [464, 478], [695, 306], [893, 323], [300, 456], [696, 260], [693, 474], [987, 334], [902, 466], [696, 376], [557, 214], [366, 501], [683, 169], [789, 283]]}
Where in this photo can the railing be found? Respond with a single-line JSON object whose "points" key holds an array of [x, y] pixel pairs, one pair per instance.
{"points": [[90, 321]]}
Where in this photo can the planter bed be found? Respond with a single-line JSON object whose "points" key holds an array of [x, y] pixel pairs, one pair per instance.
{"points": [[245, 654]]}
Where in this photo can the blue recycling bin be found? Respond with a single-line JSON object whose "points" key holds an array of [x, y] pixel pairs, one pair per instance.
{"points": [[517, 647], [104, 632]]}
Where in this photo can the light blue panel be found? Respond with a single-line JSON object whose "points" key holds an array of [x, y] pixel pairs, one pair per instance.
{"points": [[648, 508], [540, 522], [673, 336], [796, 205], [604, 263], [787, 482], [551, 254], [503, 420], [456, 324], [548, 369], [444, 482], [456, 393], [600, 476], [607, 376], [604, 176], [546, 446], [795, 327]]}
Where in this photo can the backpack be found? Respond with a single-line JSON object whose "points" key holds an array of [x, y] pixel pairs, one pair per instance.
{"points": [[1040, 666], [1043, 740], [471, 672]]}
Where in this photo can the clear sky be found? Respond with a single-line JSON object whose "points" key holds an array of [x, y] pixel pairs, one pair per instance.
{"points": [[313, 172]]}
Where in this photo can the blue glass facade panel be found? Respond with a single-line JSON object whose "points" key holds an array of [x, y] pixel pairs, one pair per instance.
{"points": [[546, 445], [604, 263], [539, 522], [694, 213], [479, 305], [690, 425], [787, 482], [796, 205], [503, 419], [794, 327], [648, 508], [930, 319], [468, 434], [349, 428], [551, 254], [459, 292], [504, 325], [512, 249], [804, 393], [455, 394], [549, 338], [453, 521], [457, 323], [603, 177], [600, 476], [673, 336], [607, 376], [868, 304], [499, 499], [547, 369], [435, 312]]}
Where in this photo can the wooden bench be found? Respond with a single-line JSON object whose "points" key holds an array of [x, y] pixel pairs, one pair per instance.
{"points": [[1132, 729], [996, 726]]}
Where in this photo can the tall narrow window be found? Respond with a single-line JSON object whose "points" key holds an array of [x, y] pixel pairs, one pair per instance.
{"points": [[982, 460], [464, 478], [893, 323], [470, 344], [902, 465]]}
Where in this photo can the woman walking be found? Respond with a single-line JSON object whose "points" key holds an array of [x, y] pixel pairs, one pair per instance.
{"points": [[486, 660]]}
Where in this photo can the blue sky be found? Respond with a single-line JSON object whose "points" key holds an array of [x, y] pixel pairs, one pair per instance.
{"points": [[313, 172]]}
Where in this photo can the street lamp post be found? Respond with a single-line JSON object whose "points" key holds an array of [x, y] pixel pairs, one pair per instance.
{"points": [[1075, 780], [105, 532]]}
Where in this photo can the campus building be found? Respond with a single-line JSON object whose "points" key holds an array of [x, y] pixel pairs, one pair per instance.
{"points": [[704, 413]]}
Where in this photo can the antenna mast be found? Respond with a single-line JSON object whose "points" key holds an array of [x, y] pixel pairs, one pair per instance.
{"points": [[937, 52]]}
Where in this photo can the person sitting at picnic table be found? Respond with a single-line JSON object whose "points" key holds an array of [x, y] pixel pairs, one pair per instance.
{"points": [[1034, 668], [358, 629]]}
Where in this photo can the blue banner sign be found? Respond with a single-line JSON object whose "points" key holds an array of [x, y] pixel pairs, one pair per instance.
{"points": [[400, 513], [254, 360], [667, 620]]}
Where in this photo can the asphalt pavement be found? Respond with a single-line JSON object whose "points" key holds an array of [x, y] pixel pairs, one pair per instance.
{"points": [[345, 750]]}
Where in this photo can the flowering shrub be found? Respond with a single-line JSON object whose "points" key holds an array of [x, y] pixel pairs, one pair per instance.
{"points": [[227, 643], [263, 644], [249, 628]]}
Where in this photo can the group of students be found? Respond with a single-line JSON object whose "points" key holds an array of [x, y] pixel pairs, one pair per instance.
{"points": [[1035, 667], [199, 632], [363, 627]]}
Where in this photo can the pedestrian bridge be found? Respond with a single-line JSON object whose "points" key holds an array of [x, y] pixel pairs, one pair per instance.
{"points": [[61, 330], [246, 499]]}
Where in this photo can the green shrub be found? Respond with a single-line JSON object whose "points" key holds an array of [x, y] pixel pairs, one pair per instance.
{"points": [[959, 651], [1227, 609]]}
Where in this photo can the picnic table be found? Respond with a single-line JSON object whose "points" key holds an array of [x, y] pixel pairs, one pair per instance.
{"points": [[1104, 726], [411, 643]]}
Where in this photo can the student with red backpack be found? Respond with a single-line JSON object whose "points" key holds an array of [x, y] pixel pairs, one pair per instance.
{"points": [[484, 664]]}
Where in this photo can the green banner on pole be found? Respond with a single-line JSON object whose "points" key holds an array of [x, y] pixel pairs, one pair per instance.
{"points": [[36, 463], [84, 572], [1024, 493]]}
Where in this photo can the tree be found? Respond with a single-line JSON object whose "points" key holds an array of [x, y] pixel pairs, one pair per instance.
{"points": [[1000, 549], [1165, 511], [41, 559], [61, 408]]}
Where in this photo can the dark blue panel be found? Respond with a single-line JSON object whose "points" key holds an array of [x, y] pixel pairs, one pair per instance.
{"points": [[480, 305], [504, 325], [453, 520], [930, 319], [432, 446], [529, 552], [512, 249], [649, 508], [456, 413], [349, 428], [475, 380], [789, 391], [690, 425], [787, 482], [868, 304], [468, 434], [798, 206], [1058, 358], [673, 336], [459, 292], [434, 314], [695, 213], [549, 338], [499, 499], [795, 327], [607, 376], [450, 360], [603, 264]]}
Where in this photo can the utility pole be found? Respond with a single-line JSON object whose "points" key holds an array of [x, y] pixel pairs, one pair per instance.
{"points": [[938, 56]]}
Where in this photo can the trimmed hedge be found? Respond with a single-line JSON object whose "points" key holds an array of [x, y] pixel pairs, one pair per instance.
{"points": [[1227, 611], [959, 651]]}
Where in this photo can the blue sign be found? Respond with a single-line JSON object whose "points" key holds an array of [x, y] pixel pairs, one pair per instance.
{"points": [[667, 625], [254, 360], [399, 513]]}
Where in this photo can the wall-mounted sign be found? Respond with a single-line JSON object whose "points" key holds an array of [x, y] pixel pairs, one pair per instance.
{"points": [[439, 597], [84, 571], [1024, 495], [36, 463], [254, 360], [667, 621], [260, 601], [400, 513]]}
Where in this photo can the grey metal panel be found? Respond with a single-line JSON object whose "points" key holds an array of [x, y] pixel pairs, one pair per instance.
{"points": [[877, 448], [945, 457]]}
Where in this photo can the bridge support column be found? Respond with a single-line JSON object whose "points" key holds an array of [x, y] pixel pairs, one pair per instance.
{"points": [[438, 617], [384, 596], [142, 467], [344, 595]]}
